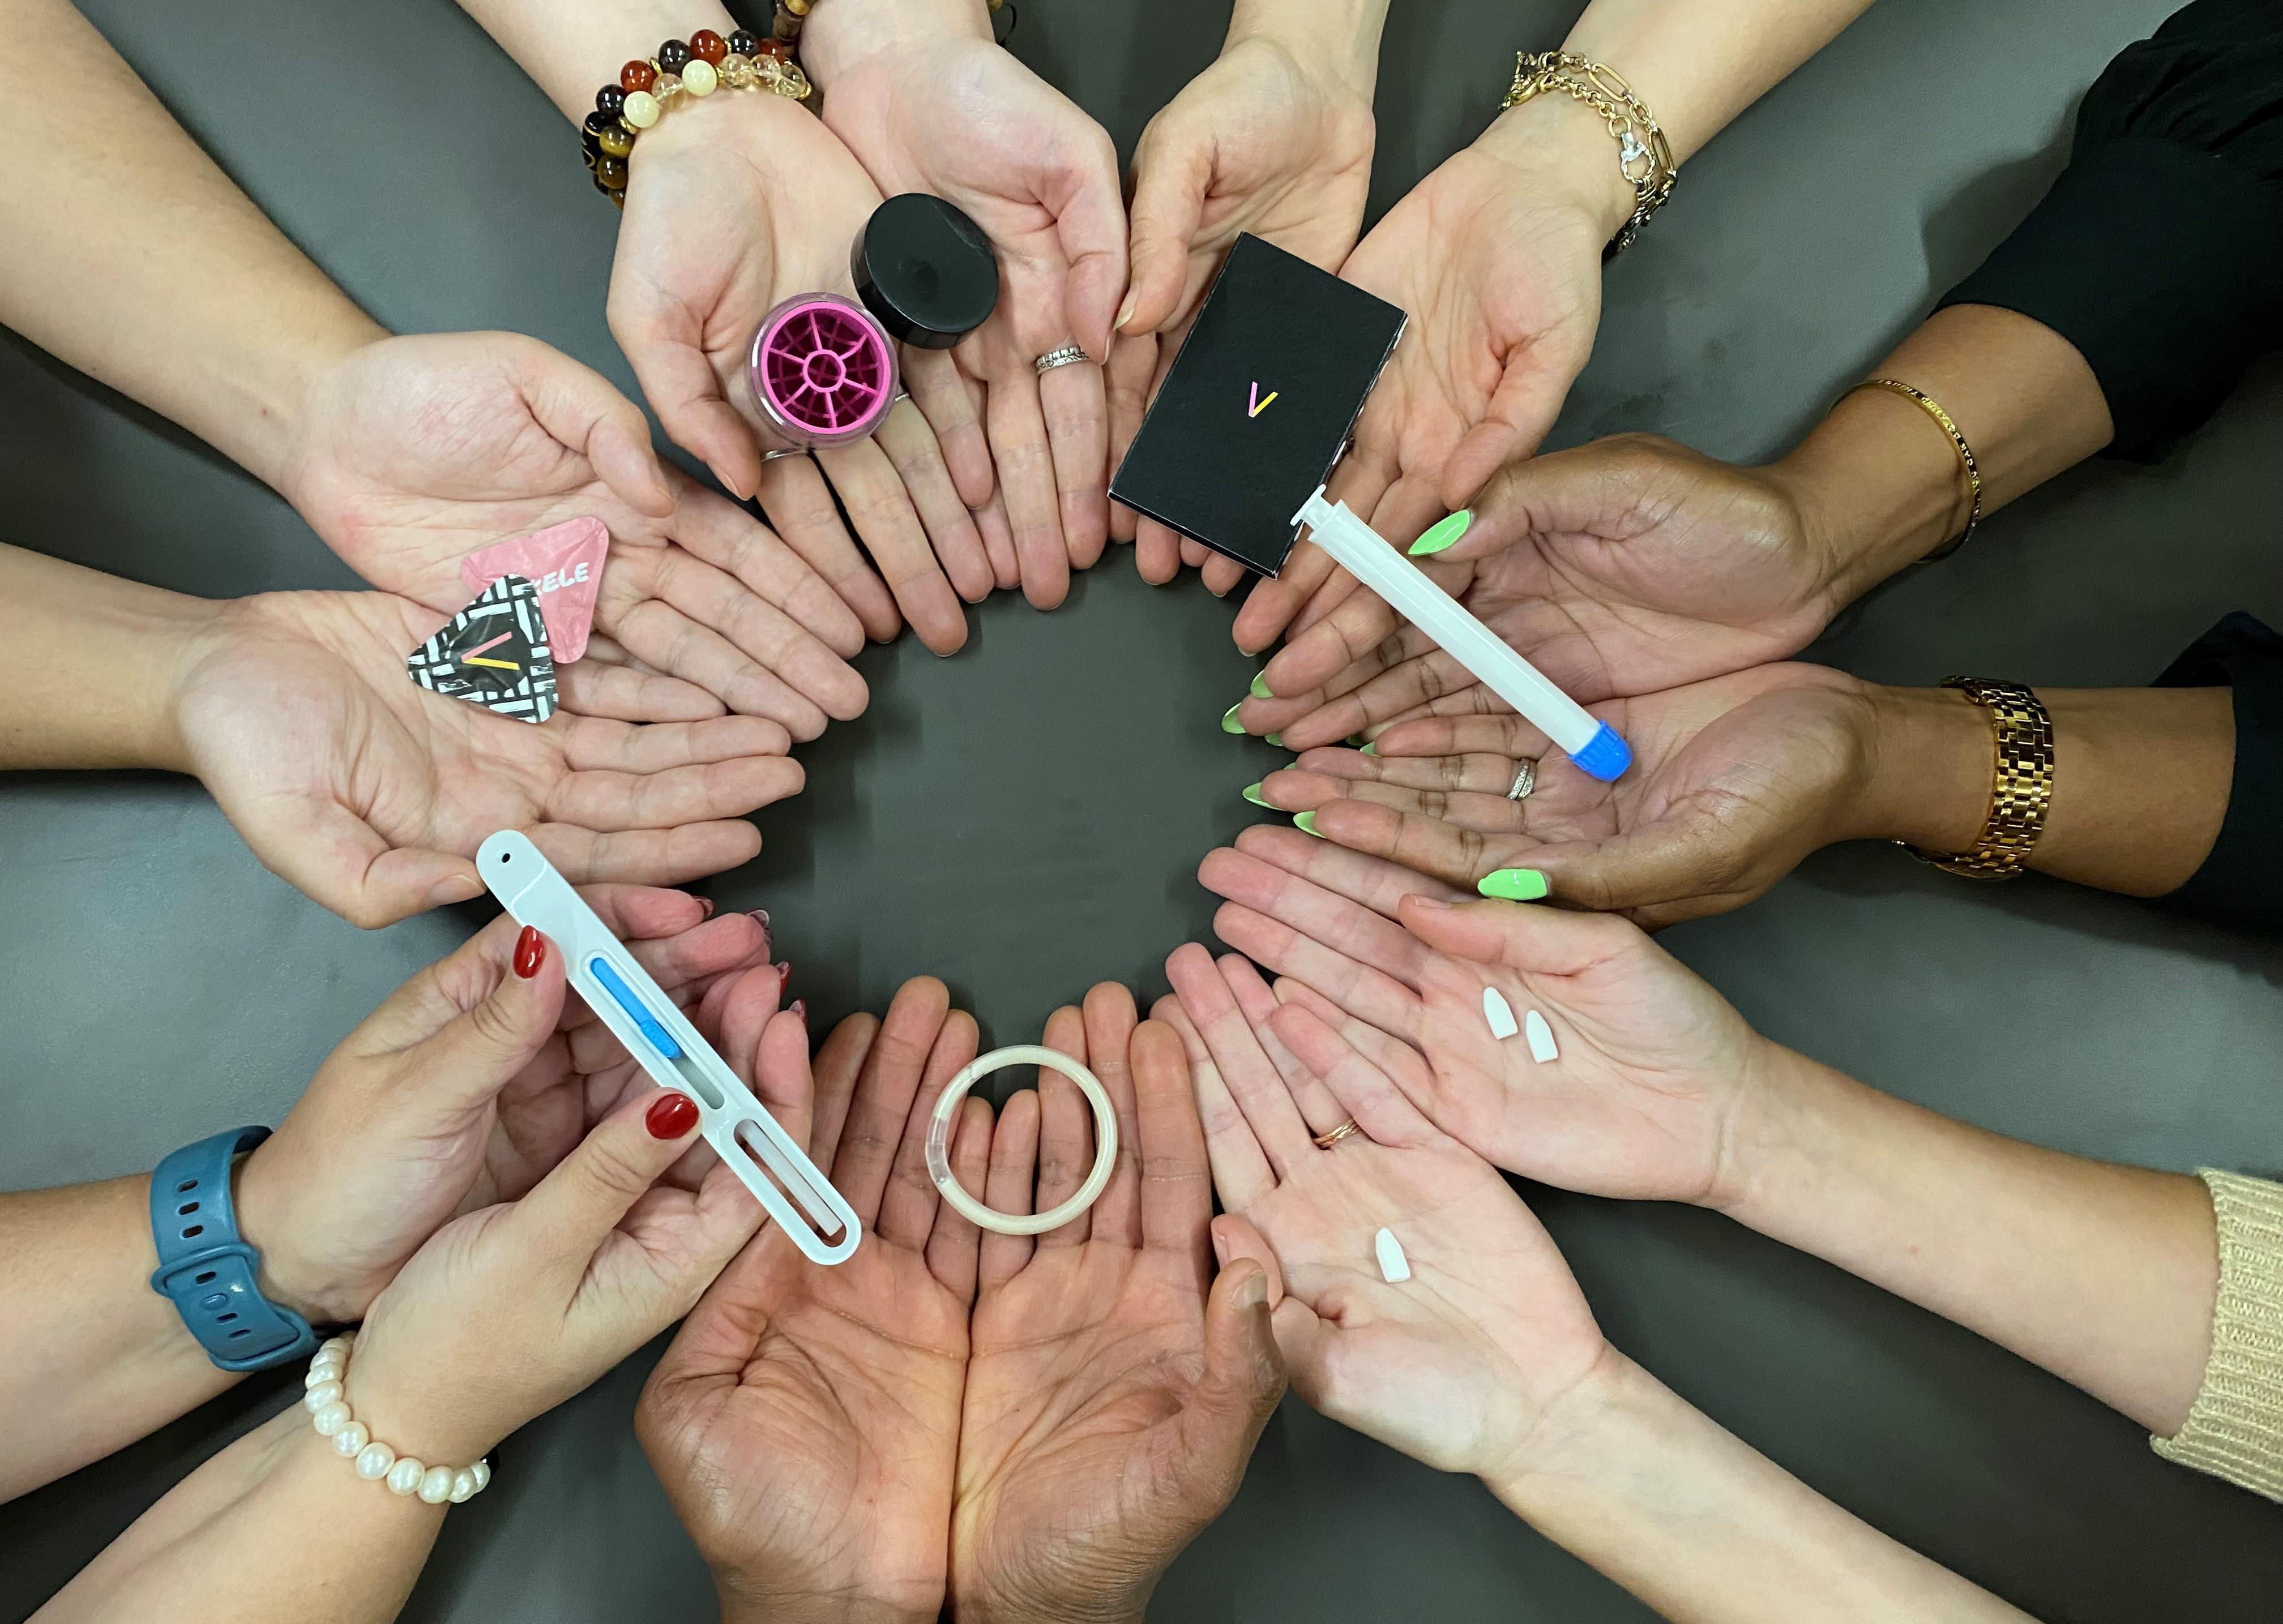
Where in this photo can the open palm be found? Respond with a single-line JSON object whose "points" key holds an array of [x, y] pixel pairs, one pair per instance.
{"points": [[1502, 283], [1647, 1057], [1108, 1411], [1451, 1365], [1734, 781], [806, 1421], [417, 452], [371, 794]]}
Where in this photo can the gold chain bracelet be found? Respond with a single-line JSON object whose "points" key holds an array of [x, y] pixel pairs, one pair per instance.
{"points": [[1644, 156], [1933, 409], [2021, 788]]}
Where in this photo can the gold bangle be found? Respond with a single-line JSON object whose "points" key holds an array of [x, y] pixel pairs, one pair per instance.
{"points": [[1644, 156], [1933, 409], [2022, 786]]}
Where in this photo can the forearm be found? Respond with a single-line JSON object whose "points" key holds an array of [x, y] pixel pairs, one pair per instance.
{"points": [[1629, 1478], [89, 664], [275, 1529], [2141, 779], [573, 48], [1342, 34], [167, 282], [1880, 483], [2104, 1275], [94, 1358]]}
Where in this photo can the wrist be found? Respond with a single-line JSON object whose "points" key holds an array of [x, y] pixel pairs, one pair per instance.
{"points": [[1929, 764], [743, 1603], [419, 1410], [1335, 42], [262, 1194], [1562, 149], [1876, 492], [841, 36]]}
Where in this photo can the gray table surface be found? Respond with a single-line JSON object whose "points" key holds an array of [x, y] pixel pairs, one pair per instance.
{"points": [[1027, 817]]}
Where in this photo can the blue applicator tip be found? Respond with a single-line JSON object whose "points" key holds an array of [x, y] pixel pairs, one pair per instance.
{"points": [[1605, 756]]}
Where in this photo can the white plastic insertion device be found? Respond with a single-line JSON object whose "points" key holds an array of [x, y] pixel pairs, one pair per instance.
{"points": [[665, 1044], [1369, 557]]}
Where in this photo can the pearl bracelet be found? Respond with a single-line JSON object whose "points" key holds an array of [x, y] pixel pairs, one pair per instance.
{"points": [[376, 1462]]}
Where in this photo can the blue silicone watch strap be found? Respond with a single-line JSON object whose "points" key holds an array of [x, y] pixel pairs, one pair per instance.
{"points": [[211, 1274]]}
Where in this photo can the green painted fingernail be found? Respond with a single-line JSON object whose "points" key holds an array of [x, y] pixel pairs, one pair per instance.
{"points": [[1369, 749], [1260, 689], [1252, 794], [1513, 884], [1228, 722], [1307, 820], [1443, 534], [1277, 739]]}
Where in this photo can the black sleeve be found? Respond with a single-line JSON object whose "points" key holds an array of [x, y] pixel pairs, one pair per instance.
{"points": [[2241, 881], [2158, 252]]}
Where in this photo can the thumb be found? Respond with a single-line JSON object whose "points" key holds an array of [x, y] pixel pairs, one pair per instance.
{"points": [[1244, 1372], [1171, 170], [680, 386], [575, 1208], [479, 1051], [1601, 488], [1541, 941], [322, 848], [580, 408]]}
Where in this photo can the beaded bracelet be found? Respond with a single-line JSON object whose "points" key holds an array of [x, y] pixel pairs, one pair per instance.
{"points": [[376, 1462], [697, 67]]}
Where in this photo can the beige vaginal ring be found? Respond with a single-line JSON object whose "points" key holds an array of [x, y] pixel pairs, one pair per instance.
{"points": [[1105, 1139]]}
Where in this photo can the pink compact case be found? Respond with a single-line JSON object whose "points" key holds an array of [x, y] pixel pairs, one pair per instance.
{"points": [[823, 371]]}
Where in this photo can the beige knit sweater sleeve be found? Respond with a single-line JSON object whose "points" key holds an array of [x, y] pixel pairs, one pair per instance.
{"points": [[2235, 1429]]}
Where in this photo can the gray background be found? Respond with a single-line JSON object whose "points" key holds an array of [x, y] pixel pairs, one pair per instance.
{"points": [[1028, 816]]}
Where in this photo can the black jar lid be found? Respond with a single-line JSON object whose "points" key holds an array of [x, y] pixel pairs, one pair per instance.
{"points": [[925, 270]]}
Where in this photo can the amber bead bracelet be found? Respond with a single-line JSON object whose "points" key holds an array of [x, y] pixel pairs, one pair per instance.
{"points": [[696, 66]]}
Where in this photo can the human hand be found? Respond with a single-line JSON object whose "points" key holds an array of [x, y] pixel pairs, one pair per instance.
{"points": [[1651, 1062], [508, 1312], [1275, 139], [1733, 781], [805, 1419], [923, 98], [1111, 1400], [371, 794], [732, 208], [464, 1089], [1627, 566], [1496, 257], [413, 453], [1456, 1366]]}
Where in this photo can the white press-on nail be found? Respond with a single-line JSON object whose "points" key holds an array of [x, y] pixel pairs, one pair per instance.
{"points": [[1499, 1013], [1394, 1268], [1541, 1037]]}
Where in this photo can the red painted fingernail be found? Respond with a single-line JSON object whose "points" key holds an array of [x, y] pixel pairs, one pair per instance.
{"points": [[671, 1117], [530, 953], [784, 976], [769, 939], [801, 1009]]}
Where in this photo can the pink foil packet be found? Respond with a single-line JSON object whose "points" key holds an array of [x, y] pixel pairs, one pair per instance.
{"points": [[565, 563]]}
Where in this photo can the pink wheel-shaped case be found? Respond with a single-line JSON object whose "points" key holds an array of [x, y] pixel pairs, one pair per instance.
{"points": [[823, 371]]}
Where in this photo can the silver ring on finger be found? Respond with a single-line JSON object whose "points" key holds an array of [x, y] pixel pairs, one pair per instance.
{"points": [[1525, 780], [784, 451], [1061, 355]]}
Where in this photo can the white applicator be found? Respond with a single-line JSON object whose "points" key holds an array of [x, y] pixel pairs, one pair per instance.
{"points": [[1365, 555]]}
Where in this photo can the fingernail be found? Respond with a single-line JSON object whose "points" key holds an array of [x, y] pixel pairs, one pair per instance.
{"points": [[1307, 820], [1513, 884], [671, 1115], [768, 936], [461, 889], [1369, 749], [1277, 739], [1252, 794], [1228, 722], [530, 951], [800, 1010], [707, 903], [1252, 1293], [1433, 904], [784, 976], [1125, 310], [1443, 534], [1260, 689]]}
